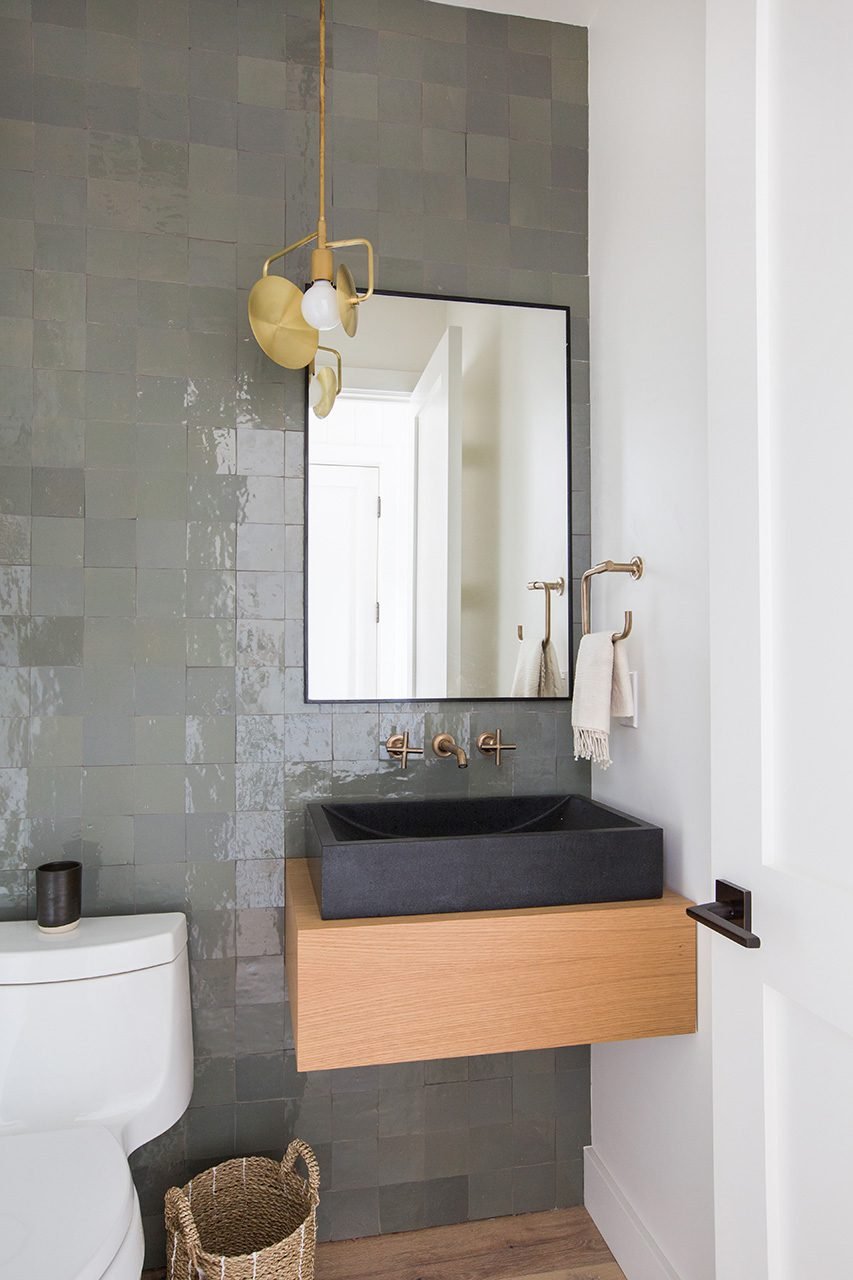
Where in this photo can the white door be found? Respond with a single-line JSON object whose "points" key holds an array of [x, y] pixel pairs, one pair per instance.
{"points": [[780, 279], [375, 432], [342, 581], [437, 402]]}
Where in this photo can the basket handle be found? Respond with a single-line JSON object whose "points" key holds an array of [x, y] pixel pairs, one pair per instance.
{"points": [[179, 1214], [299, 1148]]}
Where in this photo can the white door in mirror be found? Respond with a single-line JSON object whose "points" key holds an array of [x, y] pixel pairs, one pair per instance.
{"points": [[342, 580]]}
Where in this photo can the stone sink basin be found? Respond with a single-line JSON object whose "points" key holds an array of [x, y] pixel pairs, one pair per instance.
{"points": [[418, 857]]}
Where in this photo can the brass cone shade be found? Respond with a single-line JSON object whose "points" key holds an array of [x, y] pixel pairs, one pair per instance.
{"points": [[280, 329], [328, 392], [347, 306]]}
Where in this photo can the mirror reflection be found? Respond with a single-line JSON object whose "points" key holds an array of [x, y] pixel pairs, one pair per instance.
{"points": [[437, 517]]}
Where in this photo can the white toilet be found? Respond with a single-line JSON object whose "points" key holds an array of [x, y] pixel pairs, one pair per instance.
{"points": [[96, 1058]]}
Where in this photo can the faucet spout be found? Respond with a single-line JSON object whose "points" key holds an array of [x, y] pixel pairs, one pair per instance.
{"points": [[444, 746]]}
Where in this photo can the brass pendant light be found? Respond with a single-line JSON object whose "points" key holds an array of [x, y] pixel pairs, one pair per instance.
{"points": [[285, 322]]}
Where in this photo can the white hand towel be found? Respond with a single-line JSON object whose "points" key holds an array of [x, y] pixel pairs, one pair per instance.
{"points": [[525, 682], [537, 671], [602, 689], [622, 697]]}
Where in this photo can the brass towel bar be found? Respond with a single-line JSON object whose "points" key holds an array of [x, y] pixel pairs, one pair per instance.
{"points": [[635, 568], [559, 586]]}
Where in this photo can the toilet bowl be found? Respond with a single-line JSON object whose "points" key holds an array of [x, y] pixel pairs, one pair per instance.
{"points": [[95, 1060], [68, 1208]]}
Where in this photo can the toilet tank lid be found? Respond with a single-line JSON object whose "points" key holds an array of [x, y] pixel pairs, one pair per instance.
{"points": [[99, 946]]}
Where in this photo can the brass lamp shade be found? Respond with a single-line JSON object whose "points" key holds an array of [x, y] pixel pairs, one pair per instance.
{"points": [[347, 299], [328, 392], [281, 331]]}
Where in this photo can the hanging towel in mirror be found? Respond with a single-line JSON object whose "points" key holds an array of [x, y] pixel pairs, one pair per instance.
{"points": [[537, 671], [602, 689], [550, 680]]}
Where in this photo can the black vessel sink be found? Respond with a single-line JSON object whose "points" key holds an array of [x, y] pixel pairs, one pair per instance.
{"points": [[414, 857]]}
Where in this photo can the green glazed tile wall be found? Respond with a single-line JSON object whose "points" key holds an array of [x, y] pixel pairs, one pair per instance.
{"points": [[152, 722]]}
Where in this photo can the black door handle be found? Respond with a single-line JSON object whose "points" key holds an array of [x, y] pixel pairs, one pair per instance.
{"points": [[730, 915]]}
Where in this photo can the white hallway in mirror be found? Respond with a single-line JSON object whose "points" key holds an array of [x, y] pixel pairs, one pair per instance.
{"points": [[437, 488]]}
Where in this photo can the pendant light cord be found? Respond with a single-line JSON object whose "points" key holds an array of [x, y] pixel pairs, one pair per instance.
{"points": [[322, 111]]}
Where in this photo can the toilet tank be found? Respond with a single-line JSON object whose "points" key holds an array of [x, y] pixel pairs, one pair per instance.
{"points": [[95, 1026]]}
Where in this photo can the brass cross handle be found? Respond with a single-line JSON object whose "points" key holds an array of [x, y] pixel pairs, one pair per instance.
{"points": [[491, 742], [397, 746]]}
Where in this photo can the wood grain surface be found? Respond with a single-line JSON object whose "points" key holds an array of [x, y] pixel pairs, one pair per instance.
{"points": [[408, 988], [561, 1245]]}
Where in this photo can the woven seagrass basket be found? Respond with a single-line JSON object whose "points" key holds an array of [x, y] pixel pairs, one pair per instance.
{"points": [[251, 1219]]}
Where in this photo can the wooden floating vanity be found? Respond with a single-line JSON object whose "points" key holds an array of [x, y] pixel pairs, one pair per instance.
{"points": [[405, 988]]}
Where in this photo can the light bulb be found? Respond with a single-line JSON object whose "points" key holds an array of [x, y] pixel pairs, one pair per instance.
{"points": [[320, 306]]}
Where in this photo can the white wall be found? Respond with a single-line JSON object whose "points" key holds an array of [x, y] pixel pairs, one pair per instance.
{"points": [[515, 480], [652, 1105], [534, 479], [649, 1178]]}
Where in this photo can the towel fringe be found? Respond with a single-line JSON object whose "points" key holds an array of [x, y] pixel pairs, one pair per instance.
{"points": [[593, 744]]}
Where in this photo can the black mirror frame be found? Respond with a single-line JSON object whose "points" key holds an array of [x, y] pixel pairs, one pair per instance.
{"points": [[497, 302]]}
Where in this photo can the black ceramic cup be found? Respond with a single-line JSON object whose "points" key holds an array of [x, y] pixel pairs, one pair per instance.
{"points": [[58, 896]]}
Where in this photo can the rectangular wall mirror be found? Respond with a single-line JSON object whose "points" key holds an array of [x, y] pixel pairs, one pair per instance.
{"points": [[437, 490]]}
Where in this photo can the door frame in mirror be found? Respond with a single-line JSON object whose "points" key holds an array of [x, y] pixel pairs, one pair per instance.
{"points": [[494, 302]]}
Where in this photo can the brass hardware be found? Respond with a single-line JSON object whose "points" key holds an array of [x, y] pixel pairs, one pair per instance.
{"points": [[329, 384], [348, 295], [322, 263], [635, 568], [346, 290], [346, 244], [444, 745], [559, 586], [321, 219], [275, 304], [328, 392], [492, 743], [397, 746], [297, 244], [280, 329]]}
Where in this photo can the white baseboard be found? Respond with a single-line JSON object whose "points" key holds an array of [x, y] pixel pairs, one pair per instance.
{"points": [[625, 1234]]}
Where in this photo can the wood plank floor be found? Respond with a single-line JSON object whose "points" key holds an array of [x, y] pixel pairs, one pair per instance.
{"points": [[561, 1245]]}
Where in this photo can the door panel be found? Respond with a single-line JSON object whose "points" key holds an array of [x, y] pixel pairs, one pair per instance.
{"points": [[780, 113], [809, 1138], [343, 554]]}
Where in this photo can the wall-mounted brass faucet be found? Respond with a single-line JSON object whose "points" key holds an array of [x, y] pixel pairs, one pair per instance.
{"points": [[493, 744], [444, 745], [397, 746]]}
